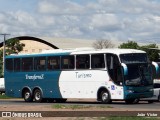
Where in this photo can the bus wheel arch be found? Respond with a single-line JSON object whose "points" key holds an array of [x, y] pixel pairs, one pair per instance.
{"points": [[37, 94], [103, 95], [27, 94]]}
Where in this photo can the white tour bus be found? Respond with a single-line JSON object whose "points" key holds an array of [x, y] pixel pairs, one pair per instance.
{"points": [[105, 75]]}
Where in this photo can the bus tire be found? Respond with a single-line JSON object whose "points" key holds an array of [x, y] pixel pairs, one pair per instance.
{"points": [[136, 101], [27, 96], [159, 98], [105, 97], [38, 96], [129, 101], [61, 100], [150, 101]]}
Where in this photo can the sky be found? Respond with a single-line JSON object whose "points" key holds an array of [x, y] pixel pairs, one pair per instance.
{"points": [[120, 20]]}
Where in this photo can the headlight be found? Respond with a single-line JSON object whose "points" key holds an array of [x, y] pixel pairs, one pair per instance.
{"points": [[130, 91]]}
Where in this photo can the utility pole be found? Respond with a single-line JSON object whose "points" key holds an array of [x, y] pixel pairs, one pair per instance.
{"points": [[4, 50]]}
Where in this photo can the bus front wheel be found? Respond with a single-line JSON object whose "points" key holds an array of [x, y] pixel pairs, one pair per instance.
{"points": [[37, 95], [105, 97], [130, 101], [27, 96]]}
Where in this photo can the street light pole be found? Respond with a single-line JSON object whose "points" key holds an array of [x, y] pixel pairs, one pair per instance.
{"points": [[4, 50]]}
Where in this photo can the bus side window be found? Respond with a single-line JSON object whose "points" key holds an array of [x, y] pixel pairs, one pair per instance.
{"points": [[67, 62], [39, 63], [9, 64], [27, 64], [53, 63], [82, 61], [17, 64], [97, 61]]}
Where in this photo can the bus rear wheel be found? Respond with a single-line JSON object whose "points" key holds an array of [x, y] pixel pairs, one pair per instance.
{"points": [[37, 95], [27, 96], [105, 97]]}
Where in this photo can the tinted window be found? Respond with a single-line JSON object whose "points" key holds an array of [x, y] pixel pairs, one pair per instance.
{"points": [[9, 64], [82, 61], [27, 64], [67, 62], [40, 63], [97, 61], [53, 63], [17, 64], [134, 58]]}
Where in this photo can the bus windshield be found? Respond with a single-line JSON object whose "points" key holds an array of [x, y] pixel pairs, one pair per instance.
{"points": [[134, 58], [138, 75]]}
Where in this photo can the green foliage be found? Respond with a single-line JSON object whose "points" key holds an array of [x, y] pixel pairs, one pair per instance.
{"points": [[149, 49], [152, 53], [12, 46], [4, 97], [129, 45]]}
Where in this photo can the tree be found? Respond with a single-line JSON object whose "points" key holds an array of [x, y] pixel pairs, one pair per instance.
{"points": [[129, 45], [100, 44], [149, 49], [12, 46]]}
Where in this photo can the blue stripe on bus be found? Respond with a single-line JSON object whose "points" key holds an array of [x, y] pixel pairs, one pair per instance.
{"points": [[49, 84]]}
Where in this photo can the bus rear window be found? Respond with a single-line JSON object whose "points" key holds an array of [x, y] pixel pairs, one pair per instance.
{"points": [[9, 64]]}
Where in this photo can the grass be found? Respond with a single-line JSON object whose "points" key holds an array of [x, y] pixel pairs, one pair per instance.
{"points": [[59, 106], [4, 97], [104, 106]]}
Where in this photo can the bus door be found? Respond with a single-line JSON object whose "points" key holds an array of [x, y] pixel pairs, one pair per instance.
{"points": [[115, 73], [114, 68]]}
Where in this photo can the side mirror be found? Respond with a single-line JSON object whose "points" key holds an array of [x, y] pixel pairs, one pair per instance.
{"points": [[125, 68], [156, 67]]}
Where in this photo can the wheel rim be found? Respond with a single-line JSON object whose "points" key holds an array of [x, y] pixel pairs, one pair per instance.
{"points": [[27, 95], [104, 96], [37, 96]]}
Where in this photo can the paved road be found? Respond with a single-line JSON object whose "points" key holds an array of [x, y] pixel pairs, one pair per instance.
{"points": [[117, 104]]}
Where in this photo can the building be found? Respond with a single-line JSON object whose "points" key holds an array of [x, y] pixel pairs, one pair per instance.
{"points": [[32, 46]]}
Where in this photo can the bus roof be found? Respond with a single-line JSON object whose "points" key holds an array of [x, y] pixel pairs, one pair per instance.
{"points": [[114, 51], [78, 51]]}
